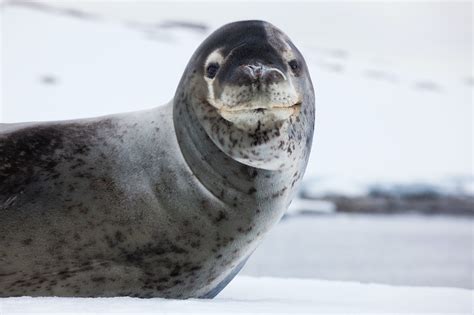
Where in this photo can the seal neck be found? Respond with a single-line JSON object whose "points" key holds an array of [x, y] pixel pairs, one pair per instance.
{"points": [[229, 180]]}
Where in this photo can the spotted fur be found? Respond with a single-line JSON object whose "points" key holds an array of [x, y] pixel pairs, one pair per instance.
{"points": [[168, 202]]}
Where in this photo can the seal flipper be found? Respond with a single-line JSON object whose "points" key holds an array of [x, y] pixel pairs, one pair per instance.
{"points": [[214, 292]]}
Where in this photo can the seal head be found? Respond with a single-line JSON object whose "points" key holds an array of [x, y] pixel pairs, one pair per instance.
{"points": [[252, 94]]}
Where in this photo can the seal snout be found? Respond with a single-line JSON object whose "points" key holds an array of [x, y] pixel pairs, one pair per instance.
{"points": [[255, 90], [257, 78], [255, 73]]}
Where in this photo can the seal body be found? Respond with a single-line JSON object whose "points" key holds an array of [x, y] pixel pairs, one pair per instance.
{"points": [[168, 202]]}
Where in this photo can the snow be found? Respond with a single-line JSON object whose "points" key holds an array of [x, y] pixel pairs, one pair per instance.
{"points": [[268, 295]]}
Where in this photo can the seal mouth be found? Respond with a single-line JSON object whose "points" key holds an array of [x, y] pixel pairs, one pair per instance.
{"points": [[274, 113]]}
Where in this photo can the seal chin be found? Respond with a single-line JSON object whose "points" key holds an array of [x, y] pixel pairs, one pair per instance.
{"points": [[258, 117]]}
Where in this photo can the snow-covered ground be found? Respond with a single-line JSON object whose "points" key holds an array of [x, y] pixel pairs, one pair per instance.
{"points": [[268, 295]]}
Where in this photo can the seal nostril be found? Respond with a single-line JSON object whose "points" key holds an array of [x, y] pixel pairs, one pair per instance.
{"points": [[262, 73], [274, 75], [255, 71]]}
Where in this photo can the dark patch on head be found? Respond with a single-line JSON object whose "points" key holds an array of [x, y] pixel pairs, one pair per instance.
{"points": [[247, 40], [232, 35]]}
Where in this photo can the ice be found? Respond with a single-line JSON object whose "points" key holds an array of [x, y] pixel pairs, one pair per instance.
{"points": [[266, 295]]}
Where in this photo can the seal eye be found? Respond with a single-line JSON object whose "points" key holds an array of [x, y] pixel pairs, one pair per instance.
{"points": [[294, 65], [211, 70]]}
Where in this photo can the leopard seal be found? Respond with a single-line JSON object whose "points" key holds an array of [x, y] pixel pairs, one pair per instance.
{"points": [[167, 202]]}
